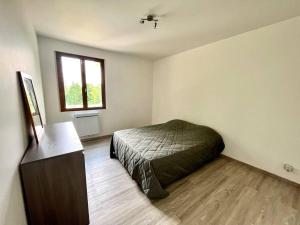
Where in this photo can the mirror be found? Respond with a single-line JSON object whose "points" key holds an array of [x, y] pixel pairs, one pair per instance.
{"points": [[31, 105]]}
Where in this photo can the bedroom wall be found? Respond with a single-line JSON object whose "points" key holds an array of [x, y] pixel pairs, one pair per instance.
{"points": [[246, 87], [18, 51], [128, 86]]}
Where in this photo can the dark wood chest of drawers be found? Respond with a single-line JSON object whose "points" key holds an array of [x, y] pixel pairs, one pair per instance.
{"points": [[53, 178]]}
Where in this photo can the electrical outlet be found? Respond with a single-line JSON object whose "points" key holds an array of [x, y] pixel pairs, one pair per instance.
{"points": [[289, 168]]}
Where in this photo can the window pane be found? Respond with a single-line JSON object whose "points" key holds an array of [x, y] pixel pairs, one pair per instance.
{"points": [[71, 70], [93, 83]]}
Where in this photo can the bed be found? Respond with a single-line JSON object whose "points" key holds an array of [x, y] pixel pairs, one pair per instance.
{"points": [[157, 155]]}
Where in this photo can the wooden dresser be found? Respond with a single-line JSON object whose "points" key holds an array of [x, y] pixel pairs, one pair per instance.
{"points": [[53, 178]]}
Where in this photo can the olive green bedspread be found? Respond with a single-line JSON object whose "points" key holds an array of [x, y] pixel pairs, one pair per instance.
{"points": [[157, 155]]}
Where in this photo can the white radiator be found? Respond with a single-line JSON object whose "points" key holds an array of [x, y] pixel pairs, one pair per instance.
{"points": [[87, 124]]}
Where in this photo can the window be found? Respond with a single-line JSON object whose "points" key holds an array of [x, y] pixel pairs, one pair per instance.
{"points": [[81, 82]]}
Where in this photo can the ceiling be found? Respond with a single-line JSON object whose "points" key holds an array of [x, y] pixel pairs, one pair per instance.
{"points": [[184, 24]]}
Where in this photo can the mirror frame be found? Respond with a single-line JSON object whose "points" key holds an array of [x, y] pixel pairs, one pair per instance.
{"points": [[22, 77]]}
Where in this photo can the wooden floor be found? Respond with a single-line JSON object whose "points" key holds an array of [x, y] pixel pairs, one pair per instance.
{"points": [[224, 192]]}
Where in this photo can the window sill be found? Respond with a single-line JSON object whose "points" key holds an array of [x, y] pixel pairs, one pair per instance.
{"points": [[76, 109]]}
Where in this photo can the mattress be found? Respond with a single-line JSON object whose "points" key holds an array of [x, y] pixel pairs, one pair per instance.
{"points": [[157, 155]]}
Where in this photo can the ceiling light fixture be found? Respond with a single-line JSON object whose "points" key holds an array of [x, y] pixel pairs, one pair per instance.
{"points": [[150, 18]]}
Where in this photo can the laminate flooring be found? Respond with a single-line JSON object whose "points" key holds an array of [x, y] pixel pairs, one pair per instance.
{"points": [[223, 192]]}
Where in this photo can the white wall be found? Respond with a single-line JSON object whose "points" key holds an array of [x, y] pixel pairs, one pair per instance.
{"points": [[128, 86], [247, 87], [18, 51]]}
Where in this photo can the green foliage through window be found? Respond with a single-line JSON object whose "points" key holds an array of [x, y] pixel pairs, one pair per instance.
{"points": [[93, 94], [73, 95]]}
